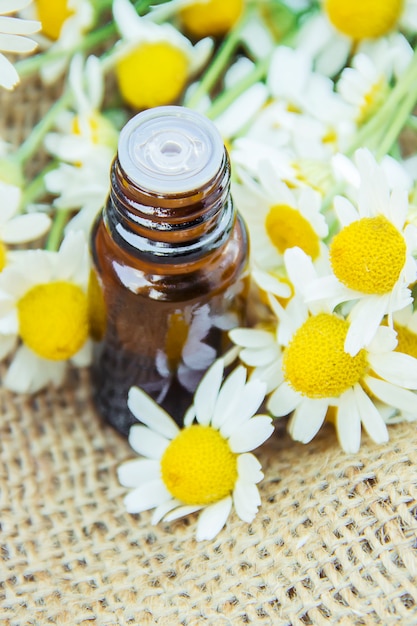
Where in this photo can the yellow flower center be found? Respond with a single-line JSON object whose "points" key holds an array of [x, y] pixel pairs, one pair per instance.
{"points": [[363, 19], [96, 308], [368, 255], [175, 340], [52, 16], [100, 130], [212, 18], [153, 74], [3, 256], [198, 466], [315, 363], [407, 340], [286, 228], [53, 319]]}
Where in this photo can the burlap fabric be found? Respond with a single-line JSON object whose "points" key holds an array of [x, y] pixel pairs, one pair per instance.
{"points": [[334, 541]]}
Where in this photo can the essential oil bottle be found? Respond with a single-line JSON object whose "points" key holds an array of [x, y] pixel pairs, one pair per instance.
{"points": [[170, 257]]}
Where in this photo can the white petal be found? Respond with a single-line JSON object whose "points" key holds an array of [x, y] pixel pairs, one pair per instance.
{"points": [[271, 284], [15, 43], [29, 373], [147, 442], [11, 196], [9, 322], [72, 261], [395, 367], [385, 340], [181, 511], [7, 345], [246, 500], [348, 423], [206, 394], [370, 416], [84, 356], [212, 519], [126, 19], [17, 26], [283, 400], [151, 414], [249, 468], [229, 395], [250, 400], [364, 319], [146, 496], [241, 110], [345, 211], [252, 434], [398, 207], [300, 267], [162, 509], [255, 358], [25, 228], [10, 6], [138, 471], [198, 355], [271, 374], [392, 395], [8, 75], [189, 416], [307, 419], [251, 337]]}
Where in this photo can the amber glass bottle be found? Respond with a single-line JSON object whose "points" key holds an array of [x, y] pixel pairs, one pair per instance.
{"points": [[169, 253]]}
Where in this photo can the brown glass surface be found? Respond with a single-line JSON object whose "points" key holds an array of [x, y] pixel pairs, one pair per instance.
{"points": [[172, 273]]}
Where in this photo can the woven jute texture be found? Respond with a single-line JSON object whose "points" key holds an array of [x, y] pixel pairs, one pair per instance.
{"points": [[334, 541]]}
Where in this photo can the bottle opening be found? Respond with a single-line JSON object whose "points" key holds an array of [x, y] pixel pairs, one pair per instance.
{"points": [[170, 150]]}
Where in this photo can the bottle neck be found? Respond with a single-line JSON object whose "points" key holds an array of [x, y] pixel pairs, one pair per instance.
{"points": [[173, 228]]}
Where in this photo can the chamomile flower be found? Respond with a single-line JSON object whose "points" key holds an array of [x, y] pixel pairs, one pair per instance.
{"points": [[330, 36], [279, 218], [44, 308], [85, 146], [317, 372], [366, 84], [291, 78], [13, 31], [17, 228], [153, 62], [371, 255], [208, 464]]}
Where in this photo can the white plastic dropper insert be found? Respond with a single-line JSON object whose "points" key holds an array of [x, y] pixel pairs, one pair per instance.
{"points": [[170, 150]]}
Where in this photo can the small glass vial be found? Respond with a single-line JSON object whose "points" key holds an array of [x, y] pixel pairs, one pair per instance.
{"points": [[169, 253]]}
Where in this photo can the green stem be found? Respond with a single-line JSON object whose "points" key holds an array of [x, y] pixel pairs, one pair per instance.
{"points": [[36, 188], [397, 124], [36, 137], [221, 103], [259, 72], [372, 131], [55, 234], [32, 64], [220, 62]]}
